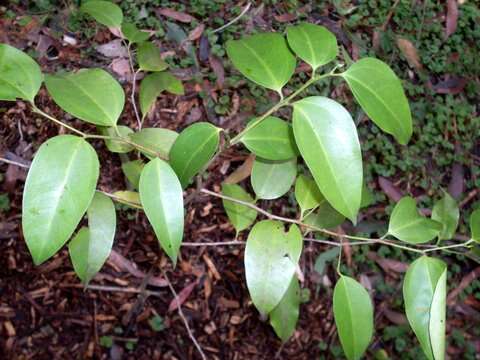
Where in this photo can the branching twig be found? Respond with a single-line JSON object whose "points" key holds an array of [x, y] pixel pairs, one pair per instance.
{"points": [[223, 27], [182, 315]]}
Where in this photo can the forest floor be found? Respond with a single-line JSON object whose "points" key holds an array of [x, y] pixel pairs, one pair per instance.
{"points": [[130, 312]]}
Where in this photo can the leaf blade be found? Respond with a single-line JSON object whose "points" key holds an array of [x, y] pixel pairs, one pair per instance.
{"points": [[446, 212], [153, 85], [284, 316], [240, 216], [149, 57], [272, 179], [105, 12]]}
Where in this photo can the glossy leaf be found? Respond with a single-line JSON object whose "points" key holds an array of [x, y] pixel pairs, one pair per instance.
{"points": [[271, 257], [307, 194], [153, 85], [132, 34], [271, 139], [475, 225], [424, 293], [263, 58], [105, 12], [149, 57], [408, 225], [91, 247], [353, 312], [380, 94], [272, 179], [446, 212], [84, 95], [159, 140], [162, 200], [327, 139], [132, 170], [114, 145], [59, 188], [20, 75], [314, 44], [240, 216], [284, 316], [193, 149]]}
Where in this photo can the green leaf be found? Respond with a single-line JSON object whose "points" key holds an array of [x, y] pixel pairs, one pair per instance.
{"points": [[271, 139], [271, 257], [132, 34], [105, 12], [327, 139], [132, 170], [91, 247], [408, 225], [272, 179], [263, 58], [446, 212], [325, 216], [114, 145], [193, 149], [353, 312], [240, 216], [153, 85], [424, 293], [159, 140], [284, 316], [129, 198], [162, 200], [475, 225], [20, 75], [59, 188], [307, 193], [84, 95], [324, 258], [380, 94], [149, 57], [314, 44]]}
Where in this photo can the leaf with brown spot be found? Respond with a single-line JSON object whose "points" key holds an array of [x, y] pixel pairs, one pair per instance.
{"points": [[410, 52]]}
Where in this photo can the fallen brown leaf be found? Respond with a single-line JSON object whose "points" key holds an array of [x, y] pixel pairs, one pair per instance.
{"points": [[176, 15], [182, 297], [410, 52], [452, 18], [242, 172], [389, 189]]}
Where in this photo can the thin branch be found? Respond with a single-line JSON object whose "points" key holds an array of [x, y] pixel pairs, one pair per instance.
{"points": [[219, 243], [223, 27], [14, 163], [182, 315]]}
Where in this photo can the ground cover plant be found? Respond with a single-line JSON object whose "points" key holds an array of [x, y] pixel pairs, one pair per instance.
{"points": [[317, 159]]}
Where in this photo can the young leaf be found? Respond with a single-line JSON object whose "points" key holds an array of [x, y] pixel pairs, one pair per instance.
{"points": [[353, 312], [20, 75], [105, 12], [327, 139], [162, 200], [240, 216], [263, 58], [380, 94], [91, 247], [272, 179], [59, 188], [117, 146], [132, 170], [307, 193], [446, 212], [475, 225], [159, 140], [149, 57], [424, 293], [84, 95], [325, 216], [271, 257], [272, 139], [408, 225], [284, 316], [153, 85], [314, 44], [193, 149], [132, 34]]}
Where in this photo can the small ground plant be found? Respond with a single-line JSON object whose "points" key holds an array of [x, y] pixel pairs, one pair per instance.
{"points": [[61, 184]]}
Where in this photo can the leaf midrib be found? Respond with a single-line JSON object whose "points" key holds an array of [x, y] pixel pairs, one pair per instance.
{"points": [[262, 62]]}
